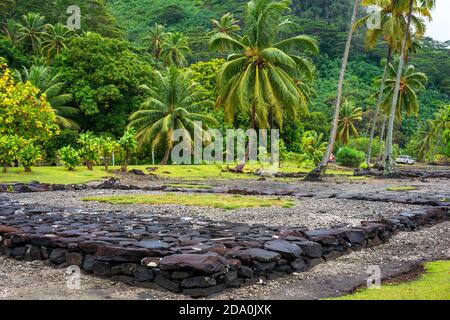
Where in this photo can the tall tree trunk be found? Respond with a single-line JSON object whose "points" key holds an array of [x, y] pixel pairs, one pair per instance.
{"points": [[383, 129], [320, 170], [377, 111], [240, 166], [389, 164], [166, 157]]}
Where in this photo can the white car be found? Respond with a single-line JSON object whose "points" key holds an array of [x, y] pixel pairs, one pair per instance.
{"points": [[405, 160]]}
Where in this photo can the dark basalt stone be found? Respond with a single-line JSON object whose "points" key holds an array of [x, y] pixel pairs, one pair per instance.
{"points": [[74, 259], [262, 255], [152, 244], [198, 255], [168, 284], [142, 274], [310, 249], [204, 292], [198, 282], [284, 248], [298, 265], [101, 269], [207, 263], [58, 256]]}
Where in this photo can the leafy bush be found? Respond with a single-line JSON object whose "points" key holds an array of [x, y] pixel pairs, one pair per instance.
{"points": [[89, 149], [29, 155], [364, 166], [107, 146], [313, 146], [350, 157], [69, 157], [128, 145], [9, 151]]}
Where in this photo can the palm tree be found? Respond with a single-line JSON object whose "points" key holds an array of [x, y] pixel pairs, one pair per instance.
{"points": [[4, 4], [320, 170], [41, 77], [426, 6], [425, 139], [10, 30], [174, 49], [176, 103], [31, 31], [347, 118], [313, 145], [227, 24], [391, 27], [411, 82], [156, 37], [261, 75], [55, 40], [441, 123]]}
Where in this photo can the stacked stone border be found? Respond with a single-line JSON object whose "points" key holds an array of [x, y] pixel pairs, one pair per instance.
{"points": [[196, 257]]}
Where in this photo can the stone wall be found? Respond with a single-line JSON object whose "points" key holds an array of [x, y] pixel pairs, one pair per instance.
{"points": [[196, 257]]}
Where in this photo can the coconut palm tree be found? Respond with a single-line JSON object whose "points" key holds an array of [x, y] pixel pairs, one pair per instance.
{"points": [[55, 40], [41, 77], [411, 82], [156, 37], [10, 30], [321, 168], [425, 139], [261, 75], [391, 23], [30, 31], [313, 145], [176, 103], [348, 117], [227, 24], [174, 49], [426, 6], [4, 4]]}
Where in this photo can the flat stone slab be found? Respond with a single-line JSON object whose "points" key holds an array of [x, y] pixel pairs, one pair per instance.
{"points": [[195, 256]]}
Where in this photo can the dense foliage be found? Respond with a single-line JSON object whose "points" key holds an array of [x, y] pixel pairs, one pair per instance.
{"points": [[68, 82]]}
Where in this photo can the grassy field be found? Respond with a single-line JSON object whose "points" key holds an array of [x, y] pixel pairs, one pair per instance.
{"points": [[227, 202], [57, 175], [60, 175], [433, 285]]}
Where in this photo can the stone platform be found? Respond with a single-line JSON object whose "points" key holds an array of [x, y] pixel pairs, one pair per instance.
{"points": [[197, 257]]}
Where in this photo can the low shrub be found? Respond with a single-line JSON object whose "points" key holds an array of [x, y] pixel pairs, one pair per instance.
{"points": [[350, 157], [69, 157], [29, 155]]}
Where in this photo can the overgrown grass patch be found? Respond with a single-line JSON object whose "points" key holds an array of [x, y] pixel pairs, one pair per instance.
{"points": [[55, 175], [227, 202], [402, 188], [434, 284]]}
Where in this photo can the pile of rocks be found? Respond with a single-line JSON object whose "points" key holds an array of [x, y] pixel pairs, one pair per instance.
{"points": [[405, 174], [197, 257], [36, 186]]}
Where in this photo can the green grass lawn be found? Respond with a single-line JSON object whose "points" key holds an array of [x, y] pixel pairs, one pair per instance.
{"points": [[60, 175], [402, 188], [227, 202], [433, 285], [56, 175]]}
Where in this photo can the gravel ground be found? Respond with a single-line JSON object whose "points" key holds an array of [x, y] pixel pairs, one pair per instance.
{"points": [[30, 280], [308, 212]]}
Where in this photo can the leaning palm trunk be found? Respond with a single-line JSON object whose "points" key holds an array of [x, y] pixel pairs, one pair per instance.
{"points": [[320, 170], [377, 111], [165, 159], [388, 156], [383, 129]]}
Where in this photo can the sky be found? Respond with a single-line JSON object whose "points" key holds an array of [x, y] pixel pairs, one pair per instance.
{"points": [[439, 28]]}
